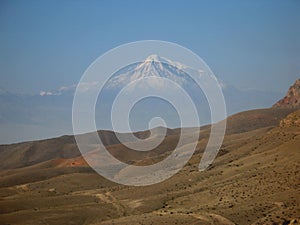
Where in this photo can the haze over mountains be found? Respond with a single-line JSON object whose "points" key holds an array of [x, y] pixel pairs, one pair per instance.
{"points": [[255, 178], [98, 125], [48, 113]]}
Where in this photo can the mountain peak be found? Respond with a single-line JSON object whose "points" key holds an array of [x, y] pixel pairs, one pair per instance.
{"points": [[292, 97], [153, 66], [154, 58]]}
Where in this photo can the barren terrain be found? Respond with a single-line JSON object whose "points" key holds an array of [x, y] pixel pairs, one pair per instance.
{"points": [[255, 179]]}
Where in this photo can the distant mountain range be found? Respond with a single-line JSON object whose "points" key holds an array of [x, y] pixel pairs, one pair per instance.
{"points": [[49, 113]]}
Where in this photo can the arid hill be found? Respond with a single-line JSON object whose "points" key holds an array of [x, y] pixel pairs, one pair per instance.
{"points": [[31, 153], [292, 97], [255, 179]]}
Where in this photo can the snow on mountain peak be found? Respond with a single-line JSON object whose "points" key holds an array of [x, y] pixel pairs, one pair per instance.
{"points": [[155, 58], [160, 59], [153, 66]]}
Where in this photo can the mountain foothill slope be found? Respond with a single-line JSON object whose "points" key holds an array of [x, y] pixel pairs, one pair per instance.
{"points": [[255, 179]]}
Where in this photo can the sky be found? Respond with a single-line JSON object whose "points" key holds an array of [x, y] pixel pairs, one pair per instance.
{"points": [[249, 44]]}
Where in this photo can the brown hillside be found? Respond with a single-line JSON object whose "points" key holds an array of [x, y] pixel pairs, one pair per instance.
{"points": [[292, 97], [254, 180]]}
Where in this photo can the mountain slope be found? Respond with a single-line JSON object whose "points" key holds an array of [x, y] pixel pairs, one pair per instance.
{"points": [[254, 180], [153, 66], [29, 153], [292, 97]]}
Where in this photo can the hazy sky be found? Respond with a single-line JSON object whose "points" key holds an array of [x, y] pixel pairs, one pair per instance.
{"points": [[48, 44]]}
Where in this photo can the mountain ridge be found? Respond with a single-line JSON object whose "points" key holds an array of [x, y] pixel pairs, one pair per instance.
{"points": [[292, 97]]}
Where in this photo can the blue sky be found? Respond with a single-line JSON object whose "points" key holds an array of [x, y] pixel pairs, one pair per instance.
{"points": [[48, 44]]}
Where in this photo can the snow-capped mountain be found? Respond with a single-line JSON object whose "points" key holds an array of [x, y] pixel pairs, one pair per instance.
{"points": [[153, 66], [49, 113], [162, 81]]}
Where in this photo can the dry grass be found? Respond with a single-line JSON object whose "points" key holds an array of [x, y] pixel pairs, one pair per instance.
{"points": [[254, 180]]}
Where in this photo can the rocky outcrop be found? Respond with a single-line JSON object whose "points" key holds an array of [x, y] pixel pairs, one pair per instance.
{"points": [[292, 98], [292, 120]]}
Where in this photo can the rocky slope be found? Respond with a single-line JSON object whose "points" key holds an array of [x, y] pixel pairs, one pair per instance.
{"points": [[292, 98], [292, 120]]}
